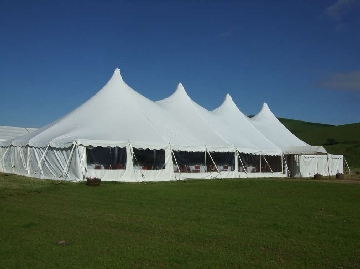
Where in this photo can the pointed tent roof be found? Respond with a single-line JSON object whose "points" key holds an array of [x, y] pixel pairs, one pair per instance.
{"points": [[113, 116], [117, 115], [182, 110], [266, 122], [235, 127]]}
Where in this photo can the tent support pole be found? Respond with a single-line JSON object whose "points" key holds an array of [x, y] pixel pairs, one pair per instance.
{"points": [[260, 163], [328, 164], [28, 160], [236, 163], [287, 171]]}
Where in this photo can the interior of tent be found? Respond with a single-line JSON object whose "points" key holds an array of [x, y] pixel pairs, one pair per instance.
{"points": [[171, 139]]}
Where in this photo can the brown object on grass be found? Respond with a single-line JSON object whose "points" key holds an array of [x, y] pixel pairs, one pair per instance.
{"points": [[93, 181]]}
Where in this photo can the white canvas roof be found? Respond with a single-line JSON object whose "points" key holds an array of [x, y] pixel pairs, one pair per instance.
{"points": [[266, 122], [183, 112], [118, 115], [11, 132], [108, 118], [234, 126]]}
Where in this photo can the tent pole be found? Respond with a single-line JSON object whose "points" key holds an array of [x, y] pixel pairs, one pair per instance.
{"points": [[328, 164], [236, 163], [28, 160], [337, 165], [260, 163]]}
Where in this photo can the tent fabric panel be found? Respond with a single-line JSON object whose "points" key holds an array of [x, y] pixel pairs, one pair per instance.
{"points": [[308, 165], [182, 111], [235, 127], [336, 163], [266, 122], [326, 165]]}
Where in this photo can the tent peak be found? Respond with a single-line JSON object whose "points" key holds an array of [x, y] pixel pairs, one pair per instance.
{"points": [[117, 73], [265, 110], [227, 100], [180, 89], [228, 97], [180, 86]]}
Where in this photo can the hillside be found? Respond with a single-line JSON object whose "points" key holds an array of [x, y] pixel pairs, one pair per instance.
{"points": [[341, 139], [298, 126]]}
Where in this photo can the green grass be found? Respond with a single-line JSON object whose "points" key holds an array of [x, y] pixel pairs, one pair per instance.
{"points": [[193, 224]]}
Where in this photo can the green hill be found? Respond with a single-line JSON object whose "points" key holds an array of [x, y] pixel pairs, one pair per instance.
{"points": [[298, 126], [340, 139]]}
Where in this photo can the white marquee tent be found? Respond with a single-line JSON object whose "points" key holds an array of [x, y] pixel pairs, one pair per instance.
{"points": [[136, 139], [303, 160], [131, 128]]}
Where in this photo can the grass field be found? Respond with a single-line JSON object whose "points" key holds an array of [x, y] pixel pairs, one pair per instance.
{"points": [[244, 223]]}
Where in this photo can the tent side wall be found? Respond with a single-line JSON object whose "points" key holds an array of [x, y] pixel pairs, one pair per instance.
{"points": [[309, 165], [71, 164], [49, 163]]}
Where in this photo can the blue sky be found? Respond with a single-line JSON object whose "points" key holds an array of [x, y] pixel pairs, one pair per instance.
{"points": [[300, 57]]}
